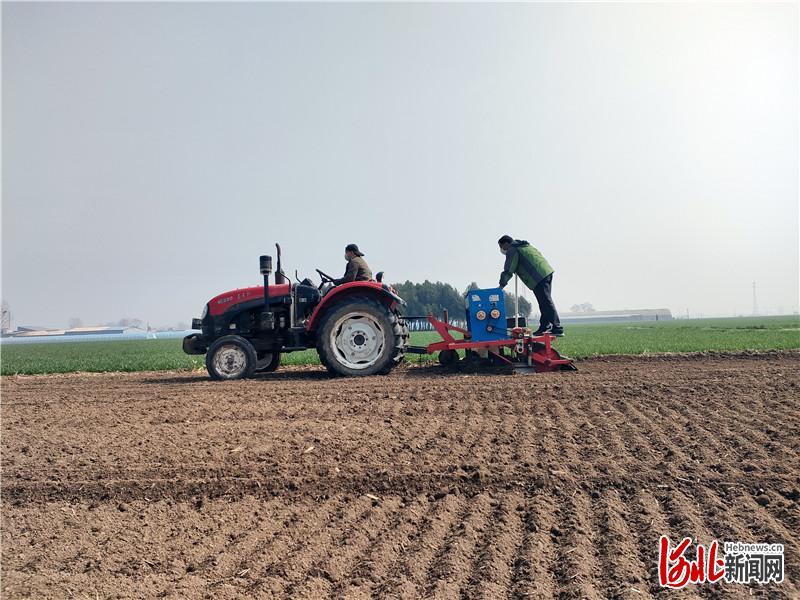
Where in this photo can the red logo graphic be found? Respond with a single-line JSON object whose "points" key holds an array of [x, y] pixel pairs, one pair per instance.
{"points": [[676, 571]]}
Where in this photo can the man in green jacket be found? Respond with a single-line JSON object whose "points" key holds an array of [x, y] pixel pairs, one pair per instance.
{"points": [[532, 268]]}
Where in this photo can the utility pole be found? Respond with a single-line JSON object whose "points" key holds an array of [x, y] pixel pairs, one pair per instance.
{"points": [[755, 304], [5, 318]]}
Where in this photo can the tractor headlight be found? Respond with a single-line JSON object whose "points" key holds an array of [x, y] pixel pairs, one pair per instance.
{"points": [[204, 313], [495, 314], [480, 315]]}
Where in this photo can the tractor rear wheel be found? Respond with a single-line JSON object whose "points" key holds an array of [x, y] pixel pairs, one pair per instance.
{"points": [[231, 357], [361, 336]]}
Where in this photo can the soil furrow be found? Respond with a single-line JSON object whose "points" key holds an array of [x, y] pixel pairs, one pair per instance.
{"points": [[452, 567], [409, 577], [491, 570], [530, 576], [575, 564]]}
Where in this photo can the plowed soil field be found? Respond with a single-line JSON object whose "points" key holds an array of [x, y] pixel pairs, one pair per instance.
{"points": [[418, 484]]}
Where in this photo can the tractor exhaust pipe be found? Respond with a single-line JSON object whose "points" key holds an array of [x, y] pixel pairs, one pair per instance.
{"points": [[267, 317], [279, 277]]}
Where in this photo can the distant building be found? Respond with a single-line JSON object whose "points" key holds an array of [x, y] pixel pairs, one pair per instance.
{"points": [[40, 332], [612, 316], [99, 330]]}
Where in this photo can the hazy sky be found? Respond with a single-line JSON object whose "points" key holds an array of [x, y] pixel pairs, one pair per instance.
{"points": [[151, 152]]}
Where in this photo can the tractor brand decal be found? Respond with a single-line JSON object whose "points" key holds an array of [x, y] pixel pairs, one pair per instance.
{"points": [[740, 563], [239, 297]]}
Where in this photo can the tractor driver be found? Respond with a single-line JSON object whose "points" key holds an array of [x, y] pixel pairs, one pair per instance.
{"points": [[357, 268], [535, 272]]}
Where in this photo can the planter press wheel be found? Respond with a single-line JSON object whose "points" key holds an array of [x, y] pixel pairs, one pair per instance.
{"points": [[448, 358]]}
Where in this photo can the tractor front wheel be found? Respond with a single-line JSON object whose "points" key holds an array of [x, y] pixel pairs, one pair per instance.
{"points": [[361, 336], [231, 357]]}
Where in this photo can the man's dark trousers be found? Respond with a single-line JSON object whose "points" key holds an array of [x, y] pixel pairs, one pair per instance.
{"points": [[546, 306]]}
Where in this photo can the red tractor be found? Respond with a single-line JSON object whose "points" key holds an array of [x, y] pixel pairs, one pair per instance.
{"points": [[356, 327]]}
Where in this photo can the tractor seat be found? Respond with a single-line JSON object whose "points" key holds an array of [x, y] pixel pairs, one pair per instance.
{"points": [[379, 276]]}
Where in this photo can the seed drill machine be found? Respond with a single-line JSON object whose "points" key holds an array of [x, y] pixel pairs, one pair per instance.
{"points": [[492, 339]]}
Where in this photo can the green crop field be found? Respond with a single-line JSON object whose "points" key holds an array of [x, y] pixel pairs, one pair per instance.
{"points": [[582, 340]]}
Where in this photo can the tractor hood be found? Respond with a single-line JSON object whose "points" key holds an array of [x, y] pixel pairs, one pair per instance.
{"points": [[223, 302]]}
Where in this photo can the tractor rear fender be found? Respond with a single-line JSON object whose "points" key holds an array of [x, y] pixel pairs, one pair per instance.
{"points": [[367, 289]]}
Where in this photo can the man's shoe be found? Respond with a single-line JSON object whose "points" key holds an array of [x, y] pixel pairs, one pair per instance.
{"points": [[542, 330], [557, 331]]}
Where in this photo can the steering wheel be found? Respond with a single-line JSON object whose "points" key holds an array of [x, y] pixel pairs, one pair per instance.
{"points": [[325, 278]]}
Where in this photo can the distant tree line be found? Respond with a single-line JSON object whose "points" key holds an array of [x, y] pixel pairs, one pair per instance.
{"points": [[585, 307], [430, 298]]}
